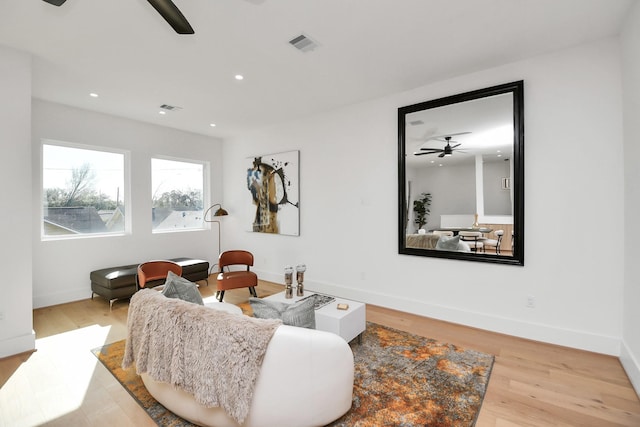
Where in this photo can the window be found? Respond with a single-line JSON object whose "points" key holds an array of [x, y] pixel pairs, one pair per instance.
{"points": [[83, 191], [177, 194]]}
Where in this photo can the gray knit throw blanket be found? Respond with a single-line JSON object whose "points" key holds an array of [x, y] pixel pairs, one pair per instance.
{"points": [[211, 354]]}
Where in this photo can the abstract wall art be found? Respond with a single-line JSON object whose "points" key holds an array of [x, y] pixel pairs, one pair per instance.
{"points": [[273, 185]]}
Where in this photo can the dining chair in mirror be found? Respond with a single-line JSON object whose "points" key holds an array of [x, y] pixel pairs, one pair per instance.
{"points": [[495, 243], [474, 239]]}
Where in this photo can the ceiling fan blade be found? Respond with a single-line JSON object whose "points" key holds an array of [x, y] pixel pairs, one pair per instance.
{"points": [[431, 149], [417, 153], [442, 137], [172, 15], [441, 155], [55, 2], [454, 146]]}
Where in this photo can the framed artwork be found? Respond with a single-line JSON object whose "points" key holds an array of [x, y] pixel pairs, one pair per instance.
{"points": [[273, 186]]}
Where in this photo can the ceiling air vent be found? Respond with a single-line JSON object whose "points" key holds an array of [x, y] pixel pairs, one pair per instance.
{"points": [[416, 122], [170, 107], [303, 43]]}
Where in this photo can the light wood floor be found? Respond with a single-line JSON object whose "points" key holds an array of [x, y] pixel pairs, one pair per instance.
{"points": [[532, 384]]}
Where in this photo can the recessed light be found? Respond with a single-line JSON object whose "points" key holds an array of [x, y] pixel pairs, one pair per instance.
{"points": [[93, 95], [162, 113], [239, 77], [212, 125]]}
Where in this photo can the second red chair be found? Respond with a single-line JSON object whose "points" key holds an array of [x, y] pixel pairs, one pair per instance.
{"points": [[236, 279]]}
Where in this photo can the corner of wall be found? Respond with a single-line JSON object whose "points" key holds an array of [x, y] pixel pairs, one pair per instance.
{"points": [[631, 367], [630, 42], [17, 345], [16, 326]]}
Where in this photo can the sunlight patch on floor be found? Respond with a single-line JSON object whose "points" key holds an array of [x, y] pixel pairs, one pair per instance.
{"points": [[55, 378]]}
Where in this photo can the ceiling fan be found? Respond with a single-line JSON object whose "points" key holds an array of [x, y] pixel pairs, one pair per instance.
{"points": [[448, 148], [165, 8]]}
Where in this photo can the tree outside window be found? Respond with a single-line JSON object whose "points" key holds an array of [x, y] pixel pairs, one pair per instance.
{"points": [[83, 191], [177, 195]]}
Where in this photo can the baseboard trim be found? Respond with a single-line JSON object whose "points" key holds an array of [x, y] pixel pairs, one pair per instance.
{"points": [[48, 300], [537, 332], [16, 345], [631, 366]]}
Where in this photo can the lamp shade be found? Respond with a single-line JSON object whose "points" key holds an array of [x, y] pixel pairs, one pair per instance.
{"points": [[219, 212]]}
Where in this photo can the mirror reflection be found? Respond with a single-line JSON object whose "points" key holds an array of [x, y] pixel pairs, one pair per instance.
{"points": [[461, 176]]}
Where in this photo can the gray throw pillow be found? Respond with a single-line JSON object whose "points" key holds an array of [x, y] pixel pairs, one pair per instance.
{"points": [[446, 243], [179, 287], [301, 313]]}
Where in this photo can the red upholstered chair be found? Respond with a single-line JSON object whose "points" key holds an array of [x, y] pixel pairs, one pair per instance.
{"points": [[156, 270], [236, 279]]}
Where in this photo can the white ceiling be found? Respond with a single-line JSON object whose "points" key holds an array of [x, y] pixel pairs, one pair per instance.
{"points": [[124, 51]]}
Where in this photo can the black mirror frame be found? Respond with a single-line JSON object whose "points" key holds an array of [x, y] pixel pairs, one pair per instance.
{"points": [[517, 258]]}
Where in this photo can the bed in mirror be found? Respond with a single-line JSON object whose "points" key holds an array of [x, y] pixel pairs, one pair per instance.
{"points": [[461, 176]]}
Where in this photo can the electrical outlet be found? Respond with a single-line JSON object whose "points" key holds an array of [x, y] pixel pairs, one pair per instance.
{"points": [[531, 301]]}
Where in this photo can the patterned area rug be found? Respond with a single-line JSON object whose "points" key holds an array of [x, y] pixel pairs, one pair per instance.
{"points": [[400, 380]]}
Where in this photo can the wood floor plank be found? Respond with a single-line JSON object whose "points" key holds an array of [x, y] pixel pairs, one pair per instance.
{"points": [[532, 384]]}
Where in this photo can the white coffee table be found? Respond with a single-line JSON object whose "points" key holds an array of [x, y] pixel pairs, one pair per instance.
{"points": [[349, 323]]}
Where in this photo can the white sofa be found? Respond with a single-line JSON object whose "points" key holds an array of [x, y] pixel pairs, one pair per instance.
{"points": [[306, 379]]}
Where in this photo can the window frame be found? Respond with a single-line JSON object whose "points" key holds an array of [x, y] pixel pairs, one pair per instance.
{"points": [[206, 174], [126, 200]]}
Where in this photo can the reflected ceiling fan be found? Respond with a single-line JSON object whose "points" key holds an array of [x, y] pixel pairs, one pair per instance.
{"points": [[443, 152], [165, 8]]}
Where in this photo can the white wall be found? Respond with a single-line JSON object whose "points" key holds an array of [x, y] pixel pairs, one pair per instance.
{"points": [[61, 268], [630, 71], [453, 191], [349, 209], [497, 201], [16, 320]]}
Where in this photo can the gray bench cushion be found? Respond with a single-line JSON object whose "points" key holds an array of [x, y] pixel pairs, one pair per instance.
{"points": [[193, 269], [115, 277]]}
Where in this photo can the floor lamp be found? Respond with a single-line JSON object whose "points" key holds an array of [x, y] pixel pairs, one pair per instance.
{"points": [[219, 212]]}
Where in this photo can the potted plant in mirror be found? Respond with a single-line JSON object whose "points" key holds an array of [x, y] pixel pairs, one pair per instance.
{"points": [[421, 209]]}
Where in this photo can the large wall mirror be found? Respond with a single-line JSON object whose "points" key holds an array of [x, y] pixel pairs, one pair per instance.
{"points": [[461, 176]]}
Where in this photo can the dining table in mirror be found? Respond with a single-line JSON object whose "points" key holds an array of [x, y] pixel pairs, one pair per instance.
{"points": [[461, 176]]}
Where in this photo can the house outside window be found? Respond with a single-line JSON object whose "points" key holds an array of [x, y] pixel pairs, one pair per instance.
{"points": [[83, 191], [177, 194]]}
